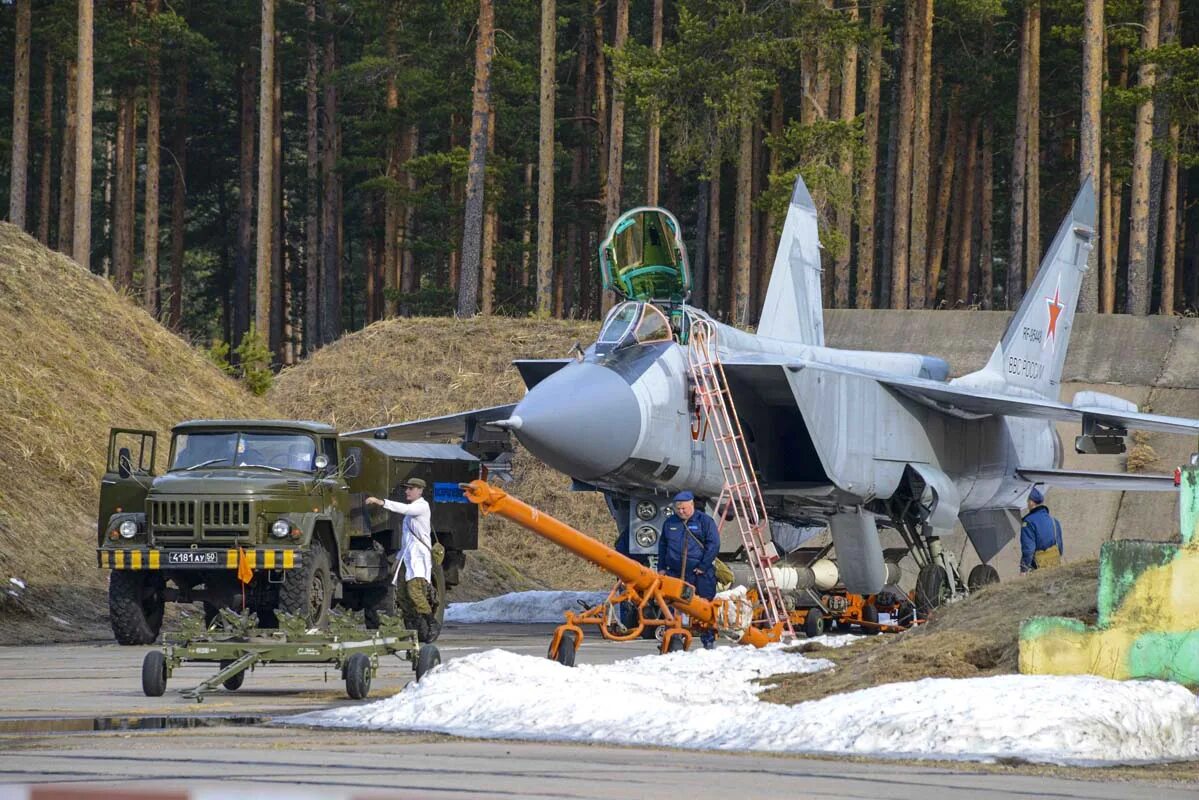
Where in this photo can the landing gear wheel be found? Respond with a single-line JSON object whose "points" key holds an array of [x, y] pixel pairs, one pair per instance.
{"points": [[358, 676], [980, 576], [135, 606], [306, 590], [426, 659], [234, 683], [870, 615], [428, 626], [813, 623], [154, 673], [932, 588], [567, 646]]}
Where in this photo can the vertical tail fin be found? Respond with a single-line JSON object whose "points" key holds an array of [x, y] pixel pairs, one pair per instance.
{"points": [[792, 310], [1033, 349]]}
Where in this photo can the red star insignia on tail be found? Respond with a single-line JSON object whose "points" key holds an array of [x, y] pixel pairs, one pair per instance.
{"points": [[1056, 307]]}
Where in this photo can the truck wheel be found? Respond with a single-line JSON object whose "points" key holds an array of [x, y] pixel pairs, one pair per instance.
{"points": [[376, 601], [135, 606], [358, 676], [154, 674], [234, 683], [982, 575], [427, 658], [429, 628], [306, 592], [813, 623]]}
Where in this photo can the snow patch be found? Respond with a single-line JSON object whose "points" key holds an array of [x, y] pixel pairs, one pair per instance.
{"points": [[60, 621], [20, 584], [708, 700], [526, 607]]}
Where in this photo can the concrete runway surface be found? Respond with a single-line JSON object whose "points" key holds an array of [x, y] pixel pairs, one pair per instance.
{"points": [[50, 745]]}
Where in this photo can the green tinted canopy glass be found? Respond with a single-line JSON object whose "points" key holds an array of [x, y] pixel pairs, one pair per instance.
{"points": [[643, 257]]}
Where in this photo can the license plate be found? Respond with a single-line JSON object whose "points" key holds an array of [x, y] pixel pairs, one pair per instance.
{"points": [[192, 557]]}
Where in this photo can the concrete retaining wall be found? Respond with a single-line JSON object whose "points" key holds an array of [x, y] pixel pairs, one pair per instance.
{"points": [[1152, 361]]}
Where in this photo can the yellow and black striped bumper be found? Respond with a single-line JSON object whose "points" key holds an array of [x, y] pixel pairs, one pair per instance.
{"points": [[195, 559]]}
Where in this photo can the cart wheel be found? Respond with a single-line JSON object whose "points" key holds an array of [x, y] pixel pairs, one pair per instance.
{"points": [[427, 658], [813, 623], [358, 676], [234, 683], [567, 646], [677, 644], [154, 674], [870, 615]]}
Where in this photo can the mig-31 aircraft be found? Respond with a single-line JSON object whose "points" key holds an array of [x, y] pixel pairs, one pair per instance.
{"points": [[847, 439]]}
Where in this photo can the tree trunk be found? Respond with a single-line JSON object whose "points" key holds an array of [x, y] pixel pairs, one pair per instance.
{"points": [[714, 240], [601, 103], [18, 175], [468, 281], [883, 276], [264, 288], [768, 234], [1167, 35], [954, 267], [66, 181], [312, 268], [654, 139], [330, 218], [616, 134], [107, 212], [44, 190], [490, 227], [965, 256], [941, 218], [848, 107], [545, 159], [153, 134], [1089, 127], [125, 188], [1015, 266], [576, 252], [869, 166], [699, 267], [1140, 275], [1170, 224], [526, 234], [921, 156], [243, 261], [179, 200], [903, 163], [391, 200], [81, 241], [742, 227], [1032, 234], [986, 288], [278, 272], [409, 279]]}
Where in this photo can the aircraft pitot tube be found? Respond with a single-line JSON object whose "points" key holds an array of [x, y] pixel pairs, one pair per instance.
{"points": [[730, 616]]}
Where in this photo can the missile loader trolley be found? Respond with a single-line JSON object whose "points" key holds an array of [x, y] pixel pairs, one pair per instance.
{"points": [[239, 646]]}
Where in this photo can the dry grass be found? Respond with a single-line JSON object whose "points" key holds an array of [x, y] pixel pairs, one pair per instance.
{"points": [[974, 638], [405, 369], [78, 359]]}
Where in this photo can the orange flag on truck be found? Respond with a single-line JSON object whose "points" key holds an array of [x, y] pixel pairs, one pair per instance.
{"points": [[245, 573]]}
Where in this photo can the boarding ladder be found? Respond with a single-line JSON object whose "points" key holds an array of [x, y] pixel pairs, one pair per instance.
{"points": [[741, 491]]}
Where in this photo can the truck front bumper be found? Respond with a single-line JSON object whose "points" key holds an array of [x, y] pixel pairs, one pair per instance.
{"points": [[224, 558]]}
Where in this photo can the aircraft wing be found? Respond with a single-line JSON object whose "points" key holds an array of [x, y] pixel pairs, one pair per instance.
{"points": [[447, 427], [1113, 481]]}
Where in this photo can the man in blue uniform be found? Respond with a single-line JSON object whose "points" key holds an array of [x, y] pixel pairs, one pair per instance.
{"points": [[1040, 535], [688, 548]]}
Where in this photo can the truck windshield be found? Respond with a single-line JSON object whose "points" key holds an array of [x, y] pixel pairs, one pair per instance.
{"points": [[236, 449]]}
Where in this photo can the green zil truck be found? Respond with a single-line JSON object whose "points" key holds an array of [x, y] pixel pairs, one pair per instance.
{"points": [[269, 515]]}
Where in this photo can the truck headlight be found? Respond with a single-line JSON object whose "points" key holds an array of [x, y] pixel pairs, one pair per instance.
{"points": [[128, 529], [646, 510], [280, 528], [646, 536]]}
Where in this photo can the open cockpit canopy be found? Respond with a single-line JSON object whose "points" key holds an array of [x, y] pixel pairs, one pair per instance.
{"points": [[643, 257], [633, 323]]}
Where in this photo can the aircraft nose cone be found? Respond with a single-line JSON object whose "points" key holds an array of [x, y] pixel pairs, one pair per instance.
{"points": [[583, 420]]}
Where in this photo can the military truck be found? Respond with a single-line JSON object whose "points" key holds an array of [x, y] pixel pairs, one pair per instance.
{"points": [[270, 515]]}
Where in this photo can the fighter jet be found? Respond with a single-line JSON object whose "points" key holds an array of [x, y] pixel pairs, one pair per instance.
{"points": [[852, 440]]}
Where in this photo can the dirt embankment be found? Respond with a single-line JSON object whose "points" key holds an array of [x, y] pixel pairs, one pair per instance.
{"points": [[78, 359], [406, 369], [976, 637]]}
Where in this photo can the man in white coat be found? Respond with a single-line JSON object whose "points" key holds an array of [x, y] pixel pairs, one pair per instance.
{"points": [[416, 544]]}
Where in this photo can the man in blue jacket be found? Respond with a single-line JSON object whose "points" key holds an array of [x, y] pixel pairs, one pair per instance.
{"points": [[688, 548], [1040, 536]]}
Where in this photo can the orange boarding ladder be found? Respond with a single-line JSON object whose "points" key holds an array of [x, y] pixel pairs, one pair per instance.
{"points": [[741, 488]]}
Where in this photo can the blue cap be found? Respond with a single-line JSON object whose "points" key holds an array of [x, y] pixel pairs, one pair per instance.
{"points": [[684, 496], [1036, 496]]}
